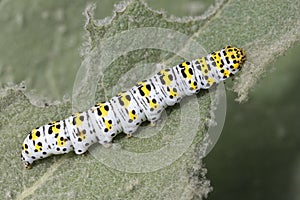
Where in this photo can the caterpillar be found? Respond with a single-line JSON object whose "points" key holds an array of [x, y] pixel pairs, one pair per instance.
{"points": [[128, 109]]}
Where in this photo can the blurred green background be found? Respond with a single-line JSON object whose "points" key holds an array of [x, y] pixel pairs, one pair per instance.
{"points": [[257, 155]]}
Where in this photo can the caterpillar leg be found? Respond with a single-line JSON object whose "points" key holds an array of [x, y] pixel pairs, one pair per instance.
{"points": [[84, 154], [107, 145], [152, 124], [27, 165]]}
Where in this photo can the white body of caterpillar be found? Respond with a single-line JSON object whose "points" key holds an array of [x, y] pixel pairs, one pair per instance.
{"points": [[127, 110]]}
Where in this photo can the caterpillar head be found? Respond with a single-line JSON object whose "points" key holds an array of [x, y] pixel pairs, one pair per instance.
{"points": [[227, 61], [234, 58]]}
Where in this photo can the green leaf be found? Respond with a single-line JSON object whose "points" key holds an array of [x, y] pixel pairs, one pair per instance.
{"points": [[265, 29]]}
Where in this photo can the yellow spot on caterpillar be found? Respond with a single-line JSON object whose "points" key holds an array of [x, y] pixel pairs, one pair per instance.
{"points": [[100, 107], [54, 128], [82, 135], [108, 124], [226, 73], [125, 99], [24, 146], [193, 85], [153, 104], [186, 71], [33, 134], [166, 77], [173, 93], [210, 81], [204, 68], [61, 141], [103, 111], [37, 147], [78, 121], [217, 59], [144, 89], [132, 115]]}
